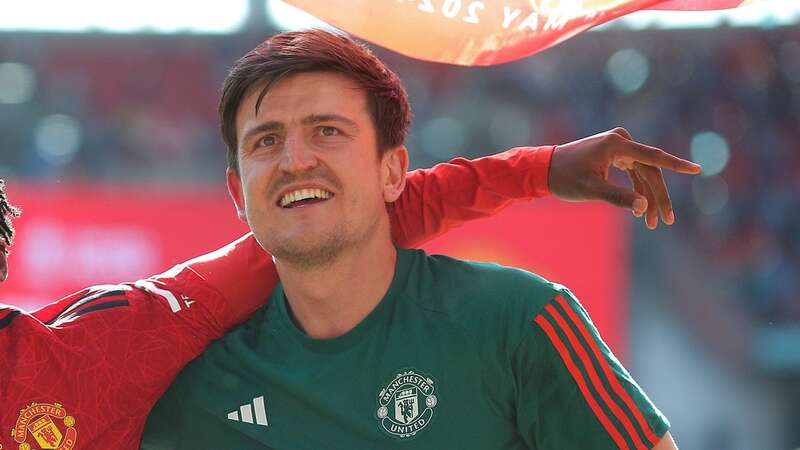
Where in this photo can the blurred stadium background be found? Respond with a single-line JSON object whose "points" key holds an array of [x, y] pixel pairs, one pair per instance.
{"points": [[109, 139]]}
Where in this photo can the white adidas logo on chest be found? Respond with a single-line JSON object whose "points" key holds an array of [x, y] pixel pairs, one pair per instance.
{"points": [[255, 409]]}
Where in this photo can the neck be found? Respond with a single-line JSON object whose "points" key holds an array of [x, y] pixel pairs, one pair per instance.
{"points": [[329, 301]]}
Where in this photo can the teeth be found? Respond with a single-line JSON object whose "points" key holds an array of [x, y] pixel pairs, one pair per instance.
{"points": [[303, 194]]}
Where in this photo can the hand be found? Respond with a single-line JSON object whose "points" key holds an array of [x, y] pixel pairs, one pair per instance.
{"points": [[579, 171]]}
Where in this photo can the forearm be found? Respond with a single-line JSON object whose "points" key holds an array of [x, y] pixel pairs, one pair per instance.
{"points": [[449, 194], [242, 272]]}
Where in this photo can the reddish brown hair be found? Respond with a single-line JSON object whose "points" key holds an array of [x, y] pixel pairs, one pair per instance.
{"points": [[310, 51]]}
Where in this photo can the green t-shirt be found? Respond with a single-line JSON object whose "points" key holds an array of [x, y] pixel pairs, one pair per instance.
{"points": [[457, 355]]}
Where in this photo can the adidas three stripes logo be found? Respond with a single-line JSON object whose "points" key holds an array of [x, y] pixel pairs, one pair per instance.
{"points": [[246, 412]]}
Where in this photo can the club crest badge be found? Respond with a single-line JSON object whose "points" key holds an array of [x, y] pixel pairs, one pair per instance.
{"points": [[45, 426], [406, 404]]}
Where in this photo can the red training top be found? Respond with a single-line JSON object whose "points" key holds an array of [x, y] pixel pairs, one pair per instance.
{"points": [[84, 372]]}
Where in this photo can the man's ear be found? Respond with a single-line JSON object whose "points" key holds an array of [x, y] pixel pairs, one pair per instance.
{"points": [[235, 190], [394, 167]]}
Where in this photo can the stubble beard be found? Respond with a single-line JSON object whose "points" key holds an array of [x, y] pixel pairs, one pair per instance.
{"points": [[325, 250]]}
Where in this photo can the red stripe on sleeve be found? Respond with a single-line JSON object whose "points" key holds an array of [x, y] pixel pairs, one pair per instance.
{"points": [[594, 378], [612, 378], [576, 375]]}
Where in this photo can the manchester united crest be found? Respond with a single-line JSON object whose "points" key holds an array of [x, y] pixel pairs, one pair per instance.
{"points": [[45, 426], [405, 405]]}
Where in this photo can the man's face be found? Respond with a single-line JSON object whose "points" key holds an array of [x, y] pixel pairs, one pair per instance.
{"points": [[310, 180]]}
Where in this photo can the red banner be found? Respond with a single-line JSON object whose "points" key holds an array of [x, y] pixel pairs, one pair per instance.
{"points": [[73, 236], [480, 33]]}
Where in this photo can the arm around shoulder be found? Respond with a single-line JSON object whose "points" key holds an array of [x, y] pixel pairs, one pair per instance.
{"points": [[440, 198], [242, 272]]}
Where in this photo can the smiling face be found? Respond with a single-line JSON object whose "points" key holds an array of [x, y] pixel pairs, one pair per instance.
{"points": [[311, 182]]}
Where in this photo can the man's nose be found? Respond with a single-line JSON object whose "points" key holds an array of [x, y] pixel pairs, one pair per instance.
{"points": [[297, 156]]}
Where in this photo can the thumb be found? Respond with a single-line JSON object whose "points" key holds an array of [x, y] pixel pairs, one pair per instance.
{"points": [[621, 197]]}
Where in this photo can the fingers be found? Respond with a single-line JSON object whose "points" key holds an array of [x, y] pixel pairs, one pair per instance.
{"points": [[653, 156], [643, 164], [650, 210], [650, 155], [638, 187], [622, 132], [588, 160], [653, 179], [654, 189], [620, 196], [651, 215]]}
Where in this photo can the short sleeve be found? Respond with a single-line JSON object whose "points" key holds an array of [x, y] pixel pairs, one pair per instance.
{"points": [[573, 393]]}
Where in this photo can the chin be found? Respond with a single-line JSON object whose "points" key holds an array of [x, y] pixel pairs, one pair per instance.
{"points": [[317, 245], [308, 251]]}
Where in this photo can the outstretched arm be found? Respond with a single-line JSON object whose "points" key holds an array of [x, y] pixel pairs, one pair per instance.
{"points": [[449, 194], [445, 196]]}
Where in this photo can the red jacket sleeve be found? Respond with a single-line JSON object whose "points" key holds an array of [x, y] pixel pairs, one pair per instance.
{"points": [[449, 194], [88, 368]]}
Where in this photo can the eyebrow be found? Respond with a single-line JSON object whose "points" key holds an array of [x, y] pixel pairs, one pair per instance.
{"points": [[262, 128], [313, 119], [319, 118]]}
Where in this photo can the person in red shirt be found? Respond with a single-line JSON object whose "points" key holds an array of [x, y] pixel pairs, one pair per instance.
{"points": [[84, 372]]}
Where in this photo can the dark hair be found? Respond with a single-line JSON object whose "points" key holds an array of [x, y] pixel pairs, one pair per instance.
{"points": [[7, 214], [295, 52]]}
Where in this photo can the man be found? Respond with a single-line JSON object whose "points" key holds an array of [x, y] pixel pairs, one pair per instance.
{"points": [[122, 345], [363, 345], [83, 372]]}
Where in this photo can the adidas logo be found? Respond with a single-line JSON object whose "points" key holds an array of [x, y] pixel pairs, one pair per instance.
{"points": [[245, 412]]}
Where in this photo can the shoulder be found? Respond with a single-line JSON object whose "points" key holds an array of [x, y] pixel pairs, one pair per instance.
{"points": [[86, 300], [49, 317], [493, 307], [143, 297], [454, 286]]}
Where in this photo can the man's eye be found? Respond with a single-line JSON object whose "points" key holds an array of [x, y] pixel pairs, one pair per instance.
{"points": [[329, 131], [267, 141]]}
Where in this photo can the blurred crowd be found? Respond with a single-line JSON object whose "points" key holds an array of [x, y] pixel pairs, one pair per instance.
{"points": [[143, 108]]}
